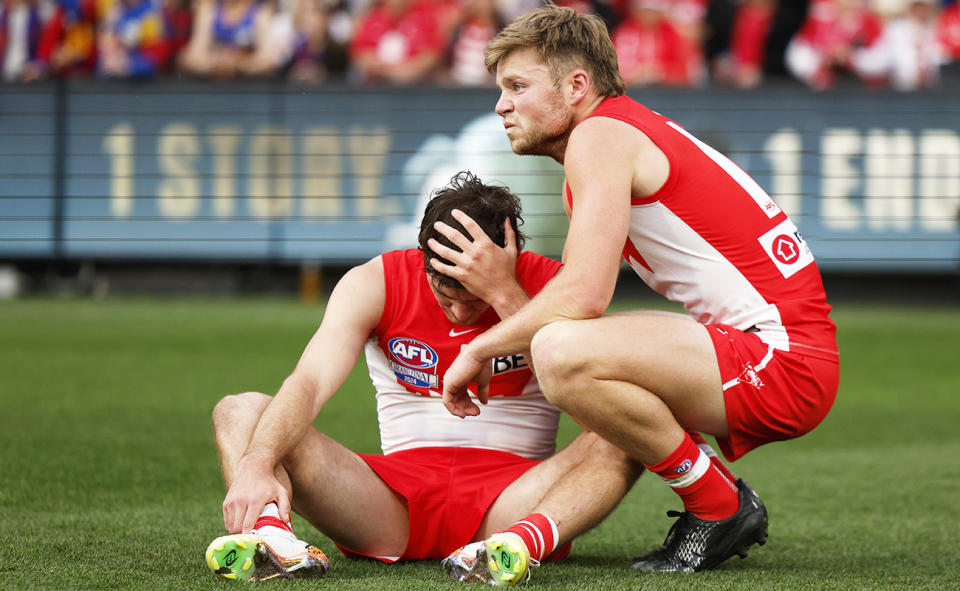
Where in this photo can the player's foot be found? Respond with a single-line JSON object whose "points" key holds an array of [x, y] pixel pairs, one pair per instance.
{"points": [[695, 544], [501, 559], [261, 557]]}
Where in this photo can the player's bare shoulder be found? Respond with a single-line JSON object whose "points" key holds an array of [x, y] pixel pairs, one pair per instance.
{"points": [[368, 275], [361, 292], [615, 150], [599, 130]]}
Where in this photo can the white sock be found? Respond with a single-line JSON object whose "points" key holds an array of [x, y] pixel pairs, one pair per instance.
{"points": [[272, 512]]}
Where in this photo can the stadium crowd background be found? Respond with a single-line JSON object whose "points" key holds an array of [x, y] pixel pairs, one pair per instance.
{"points": [[900, 44]]}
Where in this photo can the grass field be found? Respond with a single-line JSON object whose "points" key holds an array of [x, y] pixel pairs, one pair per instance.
{"points": [[109, 475]]}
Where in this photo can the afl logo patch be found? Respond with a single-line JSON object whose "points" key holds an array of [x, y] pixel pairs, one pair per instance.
{"points": [[684, 467], [412, 362], [412, 353]]}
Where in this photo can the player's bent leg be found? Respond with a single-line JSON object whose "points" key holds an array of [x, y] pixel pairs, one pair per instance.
{"points": [[330, 486], [633, 378], [636, 379], [337, 492], [577, 488], [670, 356], [271, 550]]}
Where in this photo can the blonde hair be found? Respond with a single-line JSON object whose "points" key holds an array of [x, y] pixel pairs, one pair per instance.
{"points": [[565, 40]]}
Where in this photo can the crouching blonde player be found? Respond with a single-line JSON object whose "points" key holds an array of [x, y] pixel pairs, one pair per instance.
{"points": [[442, 485]]}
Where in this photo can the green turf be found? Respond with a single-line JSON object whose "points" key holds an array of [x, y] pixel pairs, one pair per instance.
{"points": [[109, 475]]}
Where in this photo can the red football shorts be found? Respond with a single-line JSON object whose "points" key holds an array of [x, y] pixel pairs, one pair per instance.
{"points": [[448, 491], [770, 395]]}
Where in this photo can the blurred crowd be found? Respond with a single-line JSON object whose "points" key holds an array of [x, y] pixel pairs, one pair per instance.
{"points": [[902, 44]]}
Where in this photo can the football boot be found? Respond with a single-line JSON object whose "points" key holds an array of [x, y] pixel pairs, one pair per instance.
{"points": [[694, 544], [263, 556], [501, 559]]}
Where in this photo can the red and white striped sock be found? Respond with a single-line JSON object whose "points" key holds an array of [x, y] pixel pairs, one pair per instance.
{"points": [[705, 491], [270, 517], [538, 532], [713, 455]]}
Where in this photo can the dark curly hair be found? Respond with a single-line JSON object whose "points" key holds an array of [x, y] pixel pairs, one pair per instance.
{"points": [[488, 205]]}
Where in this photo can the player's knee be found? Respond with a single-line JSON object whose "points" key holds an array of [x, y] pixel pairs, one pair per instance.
{"points": [[557, 359], [229, 408], [549, 350]]}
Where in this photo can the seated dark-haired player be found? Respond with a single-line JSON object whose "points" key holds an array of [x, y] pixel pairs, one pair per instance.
{"points": [[441, 482]]}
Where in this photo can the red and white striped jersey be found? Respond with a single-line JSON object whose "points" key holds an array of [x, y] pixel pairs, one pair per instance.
{"points": [[415, 343], [712, 240]]}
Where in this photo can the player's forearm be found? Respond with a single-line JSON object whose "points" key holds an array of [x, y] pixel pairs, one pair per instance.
{"points": [[283, 423], [567, 297], [509, 300]]}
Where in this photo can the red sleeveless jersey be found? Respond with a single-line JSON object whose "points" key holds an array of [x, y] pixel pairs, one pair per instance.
{"points": [[414, 344], [713, 240]]}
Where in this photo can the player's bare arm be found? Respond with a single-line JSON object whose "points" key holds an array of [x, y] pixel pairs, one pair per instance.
{"points": [[352, 312]]}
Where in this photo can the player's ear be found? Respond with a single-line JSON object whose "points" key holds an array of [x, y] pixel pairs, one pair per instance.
{"points": [[579, 84]]}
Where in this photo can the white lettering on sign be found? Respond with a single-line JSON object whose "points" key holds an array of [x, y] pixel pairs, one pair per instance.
{"points": [[224, 140], [784, 150], [118, 144], [890, 180], [178, 148], [839, 178], [939, 180], [270, 165], [267, 181]]}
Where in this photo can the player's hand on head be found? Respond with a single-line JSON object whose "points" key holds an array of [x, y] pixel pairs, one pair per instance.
{"points": [[480, 265]]}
